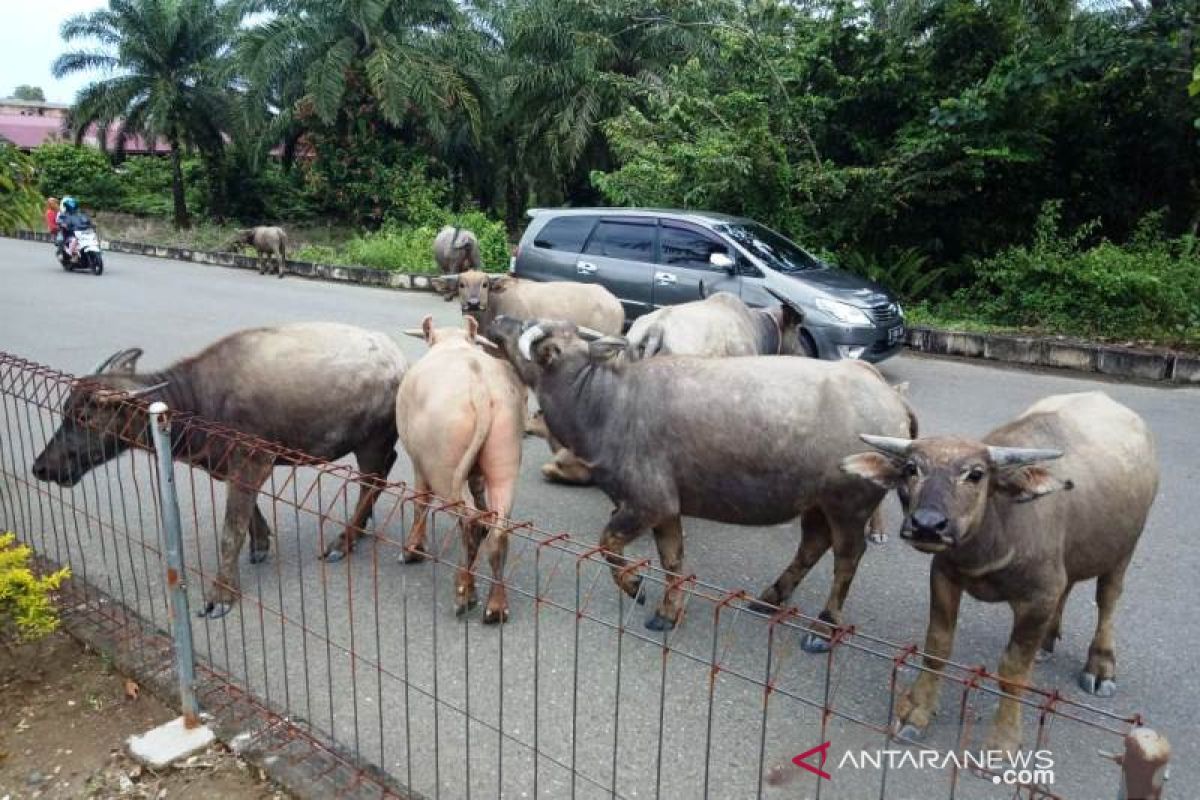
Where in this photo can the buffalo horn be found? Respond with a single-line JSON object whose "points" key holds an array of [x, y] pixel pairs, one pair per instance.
{"points": [[486, 342], [105, 363], [588, 334], [416, 333], [889, 445], [1020, 456], [528, 339]]}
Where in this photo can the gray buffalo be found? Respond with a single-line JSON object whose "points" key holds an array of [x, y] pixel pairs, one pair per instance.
{"points": [[747, 441], [269, 241], [1001, 524], [322, 388], [460, 414], [456, 250], [719, 325]]}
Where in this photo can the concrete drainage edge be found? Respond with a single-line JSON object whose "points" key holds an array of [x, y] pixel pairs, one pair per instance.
{"points": [[1086, 357]]}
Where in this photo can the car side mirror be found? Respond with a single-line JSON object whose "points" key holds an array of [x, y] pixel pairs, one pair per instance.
{"points": [[722, 261]]}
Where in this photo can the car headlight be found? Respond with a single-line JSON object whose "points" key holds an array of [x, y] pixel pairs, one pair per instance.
{"points": [[843, 312]]}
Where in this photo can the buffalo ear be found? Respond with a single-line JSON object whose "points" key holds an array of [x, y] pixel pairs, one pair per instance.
{"points": [[606, 348], [427, 328], [497, 284], [874, 467], [1029, 483], [471, 324]]}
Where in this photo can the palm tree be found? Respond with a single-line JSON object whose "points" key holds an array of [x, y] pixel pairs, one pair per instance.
{"points": [[167, 78], [413, 58]]}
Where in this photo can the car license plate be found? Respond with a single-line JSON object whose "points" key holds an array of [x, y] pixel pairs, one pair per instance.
{"points": [[895, 334]]}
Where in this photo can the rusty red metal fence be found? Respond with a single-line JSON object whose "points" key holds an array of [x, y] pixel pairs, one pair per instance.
{"points": [[356, 678]]}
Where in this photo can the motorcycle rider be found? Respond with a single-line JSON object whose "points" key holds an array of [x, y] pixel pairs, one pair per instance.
{"points": [[71, 219]]}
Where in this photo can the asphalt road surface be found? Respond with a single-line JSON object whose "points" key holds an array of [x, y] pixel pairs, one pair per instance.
{"points": [[585, 694]]}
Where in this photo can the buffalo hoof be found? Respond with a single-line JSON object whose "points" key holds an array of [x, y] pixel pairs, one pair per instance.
{"points": [[461, 609], [411, 556], [1101, 687], [215, 610], [259, 556], [877, 537], [637, 593], [908, 732], [334, 555], [1043, 656], [814, 643], [658, 622], [495, 616]]}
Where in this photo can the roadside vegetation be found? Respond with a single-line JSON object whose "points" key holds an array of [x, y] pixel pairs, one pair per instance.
{"points": [[1021, 165]]}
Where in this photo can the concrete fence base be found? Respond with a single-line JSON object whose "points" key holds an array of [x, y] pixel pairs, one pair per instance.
{"points": [[1117, 362]]}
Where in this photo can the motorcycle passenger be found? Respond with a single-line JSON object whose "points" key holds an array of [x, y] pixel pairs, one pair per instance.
{"points": [[51, 217], [72, 219]]}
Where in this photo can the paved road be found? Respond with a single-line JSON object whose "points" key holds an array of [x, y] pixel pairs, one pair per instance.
{"points": [[171, 309]]}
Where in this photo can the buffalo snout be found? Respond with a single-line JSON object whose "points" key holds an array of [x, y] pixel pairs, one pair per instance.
{"points": [[928, 526]]}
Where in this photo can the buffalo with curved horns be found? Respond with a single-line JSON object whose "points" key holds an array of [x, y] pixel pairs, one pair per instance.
{"points": [[322, 388]]}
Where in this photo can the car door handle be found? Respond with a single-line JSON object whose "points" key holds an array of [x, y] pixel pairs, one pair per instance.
{"points": [[585, 268], [665, 278]]}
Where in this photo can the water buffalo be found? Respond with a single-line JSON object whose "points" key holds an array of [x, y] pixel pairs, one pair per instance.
{"points": [[456, 250], [486, 297], [323, 388], [1001, 525], [748, 441], [266, 241], [719, 325], [460, 414]]}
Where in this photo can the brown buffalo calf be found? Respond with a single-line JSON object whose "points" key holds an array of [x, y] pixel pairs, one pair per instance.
{"points": [[460, 415], [1003, 527]]}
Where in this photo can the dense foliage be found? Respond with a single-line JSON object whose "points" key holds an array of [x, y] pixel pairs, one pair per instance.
{"points": [[913, 140], [20, 203]]}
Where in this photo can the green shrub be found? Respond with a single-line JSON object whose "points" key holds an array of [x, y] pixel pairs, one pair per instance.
{"points": [[82, 171], [146, 186], [27, 611], [20, 203], [410, 249], [1150, 287]]}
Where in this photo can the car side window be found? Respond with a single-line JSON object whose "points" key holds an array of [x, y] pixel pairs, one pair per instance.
{"points": [[565, 233], [687, 247], [629, 240]]}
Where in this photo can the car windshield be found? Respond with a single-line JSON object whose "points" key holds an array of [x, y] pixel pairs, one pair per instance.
{"points": [[779, 253]]}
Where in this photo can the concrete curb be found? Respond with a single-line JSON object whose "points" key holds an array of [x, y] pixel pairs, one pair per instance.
{"points": [[1118, 362], [1060, 353]]}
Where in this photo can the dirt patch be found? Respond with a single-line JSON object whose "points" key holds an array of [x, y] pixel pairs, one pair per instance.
{"points": [[64, 716]]}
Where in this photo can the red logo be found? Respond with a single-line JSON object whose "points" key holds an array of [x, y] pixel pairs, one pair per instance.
{"points": [[800, 761]]}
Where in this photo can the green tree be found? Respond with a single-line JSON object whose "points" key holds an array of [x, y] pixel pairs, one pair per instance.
{"points": [[171, 76], [19, 198], [27, 92]]}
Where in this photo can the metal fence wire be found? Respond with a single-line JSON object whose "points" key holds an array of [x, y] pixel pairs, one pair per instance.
{"points": [[358, 676]]}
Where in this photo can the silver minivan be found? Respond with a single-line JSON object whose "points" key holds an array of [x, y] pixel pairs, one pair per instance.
{"points": [[651, 258]]}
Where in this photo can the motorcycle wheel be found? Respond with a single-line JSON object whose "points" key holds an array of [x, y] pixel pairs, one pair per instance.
{"points": [[66, 262], [97, 264]]}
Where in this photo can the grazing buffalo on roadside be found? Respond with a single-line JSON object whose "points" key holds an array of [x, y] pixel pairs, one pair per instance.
{"points": [[748, 441], [322, 388], [267, 241], [719, 325], [460, 414], [1003, 526], [456, 250]]}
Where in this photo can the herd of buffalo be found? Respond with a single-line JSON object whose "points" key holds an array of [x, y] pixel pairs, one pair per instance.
{"points": [[703, 410]]}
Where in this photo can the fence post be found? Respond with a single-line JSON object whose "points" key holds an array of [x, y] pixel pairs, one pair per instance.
{"points": [[172, 539]]}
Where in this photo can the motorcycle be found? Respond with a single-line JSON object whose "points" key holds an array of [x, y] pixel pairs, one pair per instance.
{"points": [[83, 252]]}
